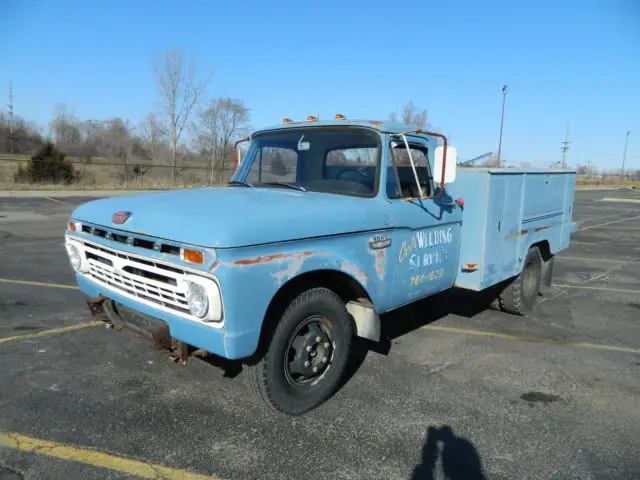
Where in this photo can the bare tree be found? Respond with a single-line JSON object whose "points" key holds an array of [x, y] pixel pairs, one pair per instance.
{"points": [[152, 139], [18, 136], [181, 90], [222, 121], [112, 138], [66, 129], [411, 116]]}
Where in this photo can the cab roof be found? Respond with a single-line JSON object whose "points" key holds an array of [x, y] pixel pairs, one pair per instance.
{"points": [[381, 126]]}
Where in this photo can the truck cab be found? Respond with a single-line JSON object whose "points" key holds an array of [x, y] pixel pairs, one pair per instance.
{"points": [[324, 226], [407, 227]]}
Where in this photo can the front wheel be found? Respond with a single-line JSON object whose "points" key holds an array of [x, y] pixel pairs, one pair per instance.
{"points": [[307, 356]]}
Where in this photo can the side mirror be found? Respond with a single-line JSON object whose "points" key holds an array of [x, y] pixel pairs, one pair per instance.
{"points": [[450, 167]]}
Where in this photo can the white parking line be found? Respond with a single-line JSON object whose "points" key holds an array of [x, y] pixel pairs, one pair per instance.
{"points": [[593, 259], [611, 222]]}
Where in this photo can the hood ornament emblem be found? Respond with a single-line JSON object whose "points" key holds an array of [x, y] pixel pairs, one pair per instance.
{"points": [[120, 217]]}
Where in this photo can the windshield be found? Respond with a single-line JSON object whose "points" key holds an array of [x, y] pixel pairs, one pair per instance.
{"points": [[336, 160]]}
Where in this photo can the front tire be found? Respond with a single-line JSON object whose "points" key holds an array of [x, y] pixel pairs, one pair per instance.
{"points": [[307, 355], [520, 296]]}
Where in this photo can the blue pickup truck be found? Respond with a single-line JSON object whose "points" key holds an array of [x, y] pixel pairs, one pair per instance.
{"points": [[324, 226]]}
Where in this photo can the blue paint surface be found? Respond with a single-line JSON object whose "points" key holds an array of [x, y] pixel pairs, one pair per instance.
{"points": [[396, 251], [506, 211], [203, 216]]}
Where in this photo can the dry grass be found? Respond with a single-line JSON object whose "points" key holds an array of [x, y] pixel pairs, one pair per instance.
{"points": [[605, 183], [104, 174]]}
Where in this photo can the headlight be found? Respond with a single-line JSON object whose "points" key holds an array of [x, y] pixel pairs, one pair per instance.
{"points": [[198, 300], [204, 298], [76, 257]]}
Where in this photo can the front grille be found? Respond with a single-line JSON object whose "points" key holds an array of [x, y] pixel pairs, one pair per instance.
{"points": [[143, 278], [131, 239]]}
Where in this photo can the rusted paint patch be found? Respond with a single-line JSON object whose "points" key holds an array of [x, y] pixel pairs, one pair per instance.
{"points": [[518, 234], [264, 259], [355, 271], [276, 257], [380, 257], [293, 268], [539, 229]]}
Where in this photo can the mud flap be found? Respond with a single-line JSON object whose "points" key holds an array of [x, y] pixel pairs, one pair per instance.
{"points": [[547, 271]]}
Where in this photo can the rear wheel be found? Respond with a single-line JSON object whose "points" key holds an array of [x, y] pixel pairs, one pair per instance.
{"points": [[520, 296], [307, 355]]}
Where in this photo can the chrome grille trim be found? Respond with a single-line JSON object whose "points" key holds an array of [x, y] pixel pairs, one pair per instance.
{"points": [[166, 291], [145, 289], [111, 267]]}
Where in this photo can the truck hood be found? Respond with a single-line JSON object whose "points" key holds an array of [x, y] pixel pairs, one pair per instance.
{"points": [[235, 216]]}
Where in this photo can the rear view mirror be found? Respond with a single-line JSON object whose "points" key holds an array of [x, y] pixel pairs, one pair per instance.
{"points": [[450, 167]]}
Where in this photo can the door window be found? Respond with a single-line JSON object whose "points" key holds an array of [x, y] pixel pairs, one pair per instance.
{"points": [[401, 179]]}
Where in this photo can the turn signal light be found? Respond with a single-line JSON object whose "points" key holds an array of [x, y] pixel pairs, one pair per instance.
{"points": [[193, 256], [72, 226]]}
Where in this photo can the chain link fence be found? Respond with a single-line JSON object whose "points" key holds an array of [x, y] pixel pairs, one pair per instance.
{"points": [[102, 174]]}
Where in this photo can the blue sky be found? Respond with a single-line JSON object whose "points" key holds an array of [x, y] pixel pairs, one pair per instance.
{"points": [[564, 61]]}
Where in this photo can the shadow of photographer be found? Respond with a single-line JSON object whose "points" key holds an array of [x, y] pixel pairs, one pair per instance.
{"points": [[459, 457]]}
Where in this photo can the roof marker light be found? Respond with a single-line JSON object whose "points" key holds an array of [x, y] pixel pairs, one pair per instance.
{"points": [[287, 120], [339, 116], [311, 118]]}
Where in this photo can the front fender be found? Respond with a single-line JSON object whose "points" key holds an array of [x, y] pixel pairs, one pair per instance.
{"points": [[250, 278]]}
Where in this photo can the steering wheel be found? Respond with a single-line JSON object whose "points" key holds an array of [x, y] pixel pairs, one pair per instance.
{"points": [[359, 170]]}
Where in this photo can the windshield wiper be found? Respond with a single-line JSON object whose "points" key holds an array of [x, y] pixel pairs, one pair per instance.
{"points": [[294, 186], [239, 182]]}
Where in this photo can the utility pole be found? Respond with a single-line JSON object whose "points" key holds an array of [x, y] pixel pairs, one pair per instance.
{"points": [[10, 108], [588, 162], [624, 155], [565, 147], [505, 88]]}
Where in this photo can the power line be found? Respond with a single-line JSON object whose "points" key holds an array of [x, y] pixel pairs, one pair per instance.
{"points": [[10, 107], [565, 146], [624, 155]]}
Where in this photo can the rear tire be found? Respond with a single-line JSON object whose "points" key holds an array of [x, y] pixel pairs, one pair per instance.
{"points": [[519, 297], [298, 371]]}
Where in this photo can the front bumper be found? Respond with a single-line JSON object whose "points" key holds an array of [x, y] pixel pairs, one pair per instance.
{"points": [[218, 341]]}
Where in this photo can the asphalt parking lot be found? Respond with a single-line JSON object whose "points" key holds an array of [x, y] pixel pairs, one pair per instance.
{"points": [[462, 392]]}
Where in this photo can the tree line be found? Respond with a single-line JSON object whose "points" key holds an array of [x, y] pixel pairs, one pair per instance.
{"points": [[187, 128]]}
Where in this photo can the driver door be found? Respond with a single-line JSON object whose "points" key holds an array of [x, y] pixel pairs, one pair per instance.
{"points": [[426, 232]]}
